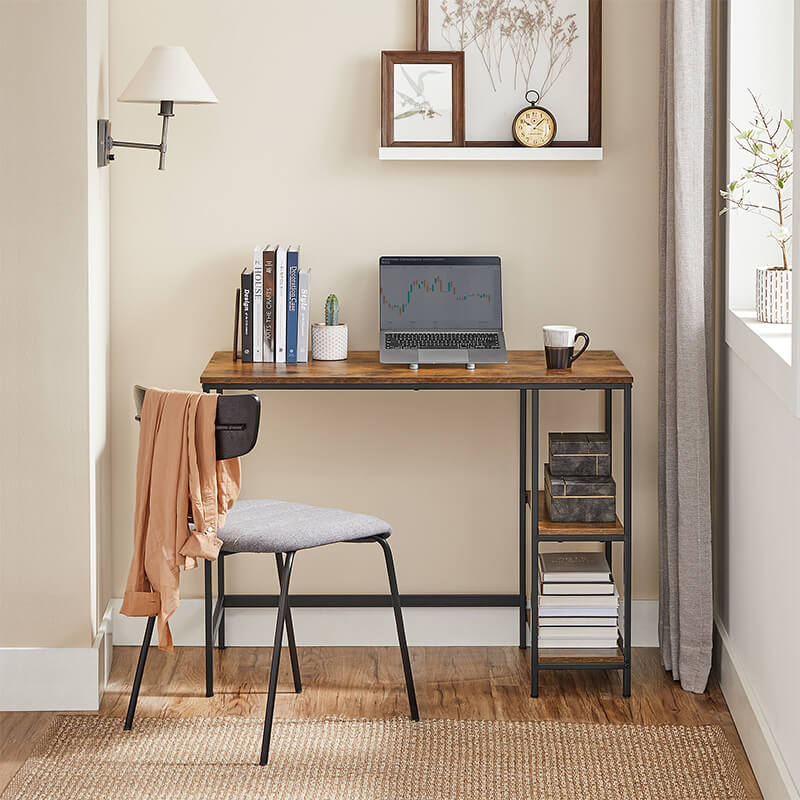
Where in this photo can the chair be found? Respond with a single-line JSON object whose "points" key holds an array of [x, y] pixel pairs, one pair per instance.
{"points": [[280, 528]]}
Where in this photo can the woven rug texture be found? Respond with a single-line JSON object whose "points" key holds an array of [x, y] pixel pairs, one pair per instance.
{"points": [[92, 758]]}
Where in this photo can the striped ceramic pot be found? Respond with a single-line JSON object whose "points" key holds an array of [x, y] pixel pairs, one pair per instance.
{"points": [[328, 342], [774, 295]]}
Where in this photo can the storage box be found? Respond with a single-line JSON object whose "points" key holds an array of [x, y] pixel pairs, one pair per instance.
{"points": [[576, 498], [586, 454]]}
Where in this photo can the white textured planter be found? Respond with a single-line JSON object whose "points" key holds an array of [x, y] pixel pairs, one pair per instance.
{"points": [[774, 295], [328, 342]]}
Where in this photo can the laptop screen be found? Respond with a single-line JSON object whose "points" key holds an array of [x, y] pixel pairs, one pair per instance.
{"points": [[447, 293]]}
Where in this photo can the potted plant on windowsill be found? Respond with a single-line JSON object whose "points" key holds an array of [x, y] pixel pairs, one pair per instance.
{"points": [[769, 143]]}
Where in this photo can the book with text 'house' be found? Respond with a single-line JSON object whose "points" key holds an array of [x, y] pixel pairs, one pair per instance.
{"points": [[246, 315], [292, 269], [268, 268], [280, 305], [258, 305]]}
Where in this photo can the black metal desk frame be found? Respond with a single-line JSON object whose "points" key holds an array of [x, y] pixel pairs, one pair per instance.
{"points": [[215, 620]]}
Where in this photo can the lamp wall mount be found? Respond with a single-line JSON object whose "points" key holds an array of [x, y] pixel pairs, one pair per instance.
{"points": [[105, 143]]}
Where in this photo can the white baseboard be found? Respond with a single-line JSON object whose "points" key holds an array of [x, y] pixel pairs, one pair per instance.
{"points": [[762, 750], [56, 678], [364, 627]]}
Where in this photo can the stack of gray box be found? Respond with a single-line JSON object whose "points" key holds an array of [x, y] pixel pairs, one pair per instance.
{"points": [[578, 486]]}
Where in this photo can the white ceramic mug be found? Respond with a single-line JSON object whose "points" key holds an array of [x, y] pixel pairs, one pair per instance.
{"points": [[559, 345]]}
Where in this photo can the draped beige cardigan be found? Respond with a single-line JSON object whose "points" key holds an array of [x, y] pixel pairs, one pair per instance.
{"points": [[178, 481]]}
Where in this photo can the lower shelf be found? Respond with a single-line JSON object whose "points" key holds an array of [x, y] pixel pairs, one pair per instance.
{"points": [[581, 656]]}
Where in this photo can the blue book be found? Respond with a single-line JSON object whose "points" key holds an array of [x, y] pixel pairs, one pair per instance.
{"points": [[292, 282]]}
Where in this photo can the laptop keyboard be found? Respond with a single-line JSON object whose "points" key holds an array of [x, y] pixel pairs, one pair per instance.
{"points": [[452, 340]]}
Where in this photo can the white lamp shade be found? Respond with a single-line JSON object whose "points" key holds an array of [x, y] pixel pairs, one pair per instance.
{"points": [[168, 73]]}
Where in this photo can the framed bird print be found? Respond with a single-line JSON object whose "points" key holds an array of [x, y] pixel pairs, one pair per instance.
{"points": [[422, 99], [512, 47]]}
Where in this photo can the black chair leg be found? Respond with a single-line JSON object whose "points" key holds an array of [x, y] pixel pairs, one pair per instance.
{"points": [[401, 631], [298, 686], [276, 657], [137, 680], [221, 599], [209, 631]]}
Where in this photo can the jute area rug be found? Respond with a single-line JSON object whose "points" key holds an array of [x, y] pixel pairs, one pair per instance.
{"points": [[86, 757]]}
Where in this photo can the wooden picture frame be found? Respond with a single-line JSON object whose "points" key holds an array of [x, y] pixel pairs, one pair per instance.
{"points": [[416, 109], [594, 37]]}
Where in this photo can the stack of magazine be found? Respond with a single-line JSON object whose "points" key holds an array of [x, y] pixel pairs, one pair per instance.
{"points": [[578, 602], [274, 309]]}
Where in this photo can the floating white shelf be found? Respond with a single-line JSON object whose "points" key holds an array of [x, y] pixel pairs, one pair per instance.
{"points": [[490, 153]]}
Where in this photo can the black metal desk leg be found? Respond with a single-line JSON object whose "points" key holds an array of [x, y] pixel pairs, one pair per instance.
{"points": [[209, 631], [534, 542], [626, 673], [221, 599], [523, 486]]}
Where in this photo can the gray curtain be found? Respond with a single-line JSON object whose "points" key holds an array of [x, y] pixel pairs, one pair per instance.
{"points": [[687, 218]]}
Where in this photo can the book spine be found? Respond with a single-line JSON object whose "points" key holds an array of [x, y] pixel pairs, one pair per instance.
{"points": [[258, 306], [268, 266], [303, 315], [280, 306], [292, 267], [247, 319]]}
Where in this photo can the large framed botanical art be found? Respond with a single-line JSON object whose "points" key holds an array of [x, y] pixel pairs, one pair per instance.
{"points": [[511, 46]]}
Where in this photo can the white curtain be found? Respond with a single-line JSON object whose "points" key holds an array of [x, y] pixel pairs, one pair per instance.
{"points": [[687, 199]]}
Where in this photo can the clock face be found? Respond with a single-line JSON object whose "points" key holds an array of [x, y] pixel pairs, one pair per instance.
{"points": [[534, 127]]}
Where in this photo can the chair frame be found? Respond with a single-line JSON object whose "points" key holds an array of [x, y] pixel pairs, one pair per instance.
{"points": [[237, 432]]}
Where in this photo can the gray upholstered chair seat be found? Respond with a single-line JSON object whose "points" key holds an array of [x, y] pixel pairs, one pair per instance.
{"points": [[273, 526]]}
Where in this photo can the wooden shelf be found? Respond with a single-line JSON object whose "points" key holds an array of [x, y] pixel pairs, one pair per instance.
{"points": [[578, 530], [490, 153], [581, 656]]}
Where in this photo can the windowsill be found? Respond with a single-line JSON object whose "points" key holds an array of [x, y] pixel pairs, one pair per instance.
{"points": [[778, 337], [766, 349]]}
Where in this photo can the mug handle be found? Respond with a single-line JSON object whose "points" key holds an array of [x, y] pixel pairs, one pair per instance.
{"points": [[583, 349]]}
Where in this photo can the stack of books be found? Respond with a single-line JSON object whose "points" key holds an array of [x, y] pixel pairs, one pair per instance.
{"points": [[274, 309], [578, 602]]}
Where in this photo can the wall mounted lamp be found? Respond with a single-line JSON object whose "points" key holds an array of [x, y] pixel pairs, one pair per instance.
{"points": [[168, 76]]}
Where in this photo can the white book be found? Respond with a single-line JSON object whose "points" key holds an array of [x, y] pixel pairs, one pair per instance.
{"points": [[303, 314], [280, 306], [582, 601], [258, 304], [575, 644], [578, 611], [574, 566], [577, 588], [578, 622], [577, 632]]}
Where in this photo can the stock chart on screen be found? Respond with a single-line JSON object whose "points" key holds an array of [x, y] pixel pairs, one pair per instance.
{"points": [[444, 296]]}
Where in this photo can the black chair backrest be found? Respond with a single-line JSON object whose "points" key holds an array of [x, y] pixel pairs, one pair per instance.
{"points": [[237, 421]]}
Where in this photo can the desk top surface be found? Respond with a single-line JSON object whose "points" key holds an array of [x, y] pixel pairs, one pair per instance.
{"points": [[524, 367]]}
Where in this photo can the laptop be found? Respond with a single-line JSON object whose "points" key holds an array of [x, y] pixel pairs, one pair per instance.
{"points": [[441, 310]]}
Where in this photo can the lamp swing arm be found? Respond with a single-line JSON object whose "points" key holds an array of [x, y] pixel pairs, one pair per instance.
{"points": [[105, 142]]}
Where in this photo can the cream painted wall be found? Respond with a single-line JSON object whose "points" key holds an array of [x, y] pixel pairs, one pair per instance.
{"points": [[54, 323], [290, 153]]}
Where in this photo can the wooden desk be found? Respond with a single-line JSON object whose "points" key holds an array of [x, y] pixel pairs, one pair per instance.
{"points": [[525, 373]]}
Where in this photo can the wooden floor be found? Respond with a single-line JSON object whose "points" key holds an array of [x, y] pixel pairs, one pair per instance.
{"points": [[452, 683]]}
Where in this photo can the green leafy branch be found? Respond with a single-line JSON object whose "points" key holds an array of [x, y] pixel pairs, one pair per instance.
{"points": [[769, 142]]}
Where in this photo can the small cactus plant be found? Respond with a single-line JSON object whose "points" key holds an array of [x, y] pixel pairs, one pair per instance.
{"points": [[332, 310]]}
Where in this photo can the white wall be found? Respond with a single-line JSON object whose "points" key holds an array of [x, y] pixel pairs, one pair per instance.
{"points": [[54, 324], [757, 547], [290, 153]]}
